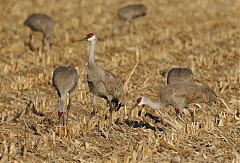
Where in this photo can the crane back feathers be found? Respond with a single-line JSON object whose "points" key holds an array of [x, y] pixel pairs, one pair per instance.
{"points": [[65, 79], [180, 95]]}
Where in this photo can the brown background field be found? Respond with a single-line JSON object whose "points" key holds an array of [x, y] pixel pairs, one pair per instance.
{"points": [[201, 34]]}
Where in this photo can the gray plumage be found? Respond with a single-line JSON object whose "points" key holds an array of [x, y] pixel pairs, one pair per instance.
{"points": [[65, 80], [105, 84], [180, 95], [102, 83], [41, 23], [131, 12], [128, 13], [179, 75]]}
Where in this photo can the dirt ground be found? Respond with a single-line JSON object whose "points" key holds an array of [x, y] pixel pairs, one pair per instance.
{"points": [[201, 34]]}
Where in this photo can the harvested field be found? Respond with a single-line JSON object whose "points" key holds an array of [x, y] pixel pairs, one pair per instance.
{"points": [[201, 34]]}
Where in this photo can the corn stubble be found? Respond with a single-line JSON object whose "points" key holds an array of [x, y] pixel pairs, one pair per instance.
{"points": [[195, 38]]}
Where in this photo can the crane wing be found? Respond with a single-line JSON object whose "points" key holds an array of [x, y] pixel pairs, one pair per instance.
{"points": [[110, 83]]}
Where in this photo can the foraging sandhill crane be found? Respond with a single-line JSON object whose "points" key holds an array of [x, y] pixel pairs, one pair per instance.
{"points": [[41, 23], [65, 80], [129, 13], [179, 95], [179, 75], [102, 83]]}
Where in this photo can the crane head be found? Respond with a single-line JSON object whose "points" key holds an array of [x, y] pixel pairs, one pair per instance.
{"points": [[48, 38], [141, 100], [90, 37]]}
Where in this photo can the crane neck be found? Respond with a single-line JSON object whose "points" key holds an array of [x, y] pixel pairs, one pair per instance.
{"points": [[91, 52], [154, 105]]}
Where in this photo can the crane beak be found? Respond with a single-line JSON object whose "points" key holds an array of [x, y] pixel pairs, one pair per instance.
{"points": [[130, 111], [83, 39]]}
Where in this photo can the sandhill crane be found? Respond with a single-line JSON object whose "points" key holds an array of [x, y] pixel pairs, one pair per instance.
{"points": [[65, 80], [41, 23], [102, 83], [179, 75], [179, 95], [128, 13]]}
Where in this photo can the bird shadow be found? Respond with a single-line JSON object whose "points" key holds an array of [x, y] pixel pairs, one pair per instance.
{"points": [[144, 124], [30, 107]]}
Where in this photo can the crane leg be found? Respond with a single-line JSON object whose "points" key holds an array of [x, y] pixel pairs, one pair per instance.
{"points": [[45, 43], [94, 101], [30, 45], [31, 37], [111, 104], [192, 115], [111, 112]]}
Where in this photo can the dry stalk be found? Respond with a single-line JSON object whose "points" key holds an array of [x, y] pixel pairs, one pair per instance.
{"points": [[125, 86]]}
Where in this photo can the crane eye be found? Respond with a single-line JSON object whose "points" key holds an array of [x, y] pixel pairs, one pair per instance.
{"points": [[90, 35], [139, 100]]}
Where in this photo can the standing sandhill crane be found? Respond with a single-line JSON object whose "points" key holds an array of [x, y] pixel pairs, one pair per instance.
{"points": [[179, 95], [41, 23], [179, 75], [128, 13], [65, 80], [102, 83]]}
